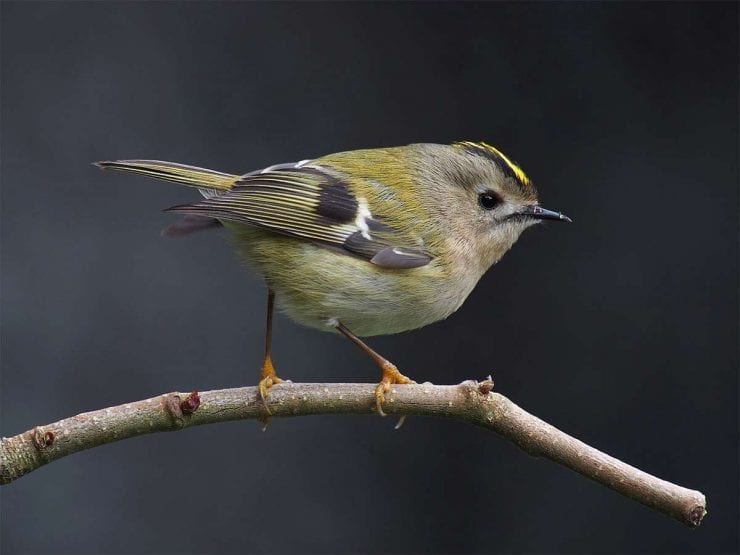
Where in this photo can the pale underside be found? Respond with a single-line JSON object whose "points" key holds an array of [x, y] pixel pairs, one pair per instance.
{"points": [[315, 285]]}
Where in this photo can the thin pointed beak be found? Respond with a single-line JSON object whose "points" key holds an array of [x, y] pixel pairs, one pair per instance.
{"points": [[539, 213]]}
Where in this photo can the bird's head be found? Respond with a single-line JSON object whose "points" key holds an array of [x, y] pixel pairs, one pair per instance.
{"points": [[483, 199]]}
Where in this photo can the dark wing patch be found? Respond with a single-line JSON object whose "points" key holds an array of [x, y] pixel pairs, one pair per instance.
{"points": [[385, 257], [359, 245], [309, 203], [395, 258], [337, 203]]}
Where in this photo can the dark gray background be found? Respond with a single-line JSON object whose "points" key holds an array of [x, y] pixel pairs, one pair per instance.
{"points": [[620, 328]]}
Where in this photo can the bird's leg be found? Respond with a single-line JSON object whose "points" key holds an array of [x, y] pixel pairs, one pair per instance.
{"points": [[268, 375], [390, 376]]}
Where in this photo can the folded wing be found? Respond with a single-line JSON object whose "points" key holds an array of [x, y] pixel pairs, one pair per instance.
{"points": [[310, 203]]}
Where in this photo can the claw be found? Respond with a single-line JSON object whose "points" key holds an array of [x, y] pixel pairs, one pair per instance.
{"points": [[391, 376], [269, 378]]}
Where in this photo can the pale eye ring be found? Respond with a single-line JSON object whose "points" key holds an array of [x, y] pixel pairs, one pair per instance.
{"points": [[488, 200]]}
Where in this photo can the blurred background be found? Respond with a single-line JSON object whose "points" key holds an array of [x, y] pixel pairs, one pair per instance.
{"points": [[621, 329]]}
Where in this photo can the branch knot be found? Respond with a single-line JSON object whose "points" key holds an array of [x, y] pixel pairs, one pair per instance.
{"points": [[42, 440]]}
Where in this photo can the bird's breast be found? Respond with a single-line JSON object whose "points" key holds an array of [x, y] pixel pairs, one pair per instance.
{"points": [[314, 285]]}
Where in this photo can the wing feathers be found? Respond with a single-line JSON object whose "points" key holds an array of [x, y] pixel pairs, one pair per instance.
{"points": [[395, 258], [310, 204]]}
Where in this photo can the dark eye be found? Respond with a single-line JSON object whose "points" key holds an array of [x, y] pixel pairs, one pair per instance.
{"points": [[488, 200]]}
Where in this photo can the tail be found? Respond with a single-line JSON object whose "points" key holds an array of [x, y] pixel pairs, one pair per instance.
{"points": [[209, 182]]}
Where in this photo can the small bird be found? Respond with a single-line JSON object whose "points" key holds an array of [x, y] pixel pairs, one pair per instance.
{"points": [[365, 242]]}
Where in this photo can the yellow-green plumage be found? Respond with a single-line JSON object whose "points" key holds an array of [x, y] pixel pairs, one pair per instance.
{"points": [[382, 240], [314, 284]]}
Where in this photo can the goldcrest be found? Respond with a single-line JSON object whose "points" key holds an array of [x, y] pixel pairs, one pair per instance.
{"points": [[366, 242]]}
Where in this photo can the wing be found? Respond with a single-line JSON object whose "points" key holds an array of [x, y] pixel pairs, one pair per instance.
{"points": [[308, 202]]}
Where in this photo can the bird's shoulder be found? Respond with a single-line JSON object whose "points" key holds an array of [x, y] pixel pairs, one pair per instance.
{"points": [[387, 182]]}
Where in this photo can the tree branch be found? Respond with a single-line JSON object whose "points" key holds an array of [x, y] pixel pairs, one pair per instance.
{"points": [[471, 402]]}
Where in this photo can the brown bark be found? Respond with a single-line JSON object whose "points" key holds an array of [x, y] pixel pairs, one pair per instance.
{"points": [[471, 402]]}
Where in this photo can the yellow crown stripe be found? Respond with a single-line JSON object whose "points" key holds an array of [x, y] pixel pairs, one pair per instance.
{"points": [[518, 172]]}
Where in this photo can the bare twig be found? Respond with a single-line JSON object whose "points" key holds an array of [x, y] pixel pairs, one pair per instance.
{"points": [[472, 402]]}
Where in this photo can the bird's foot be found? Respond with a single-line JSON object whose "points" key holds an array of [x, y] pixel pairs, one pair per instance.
{"points": [[269, 378], [391, 376]]}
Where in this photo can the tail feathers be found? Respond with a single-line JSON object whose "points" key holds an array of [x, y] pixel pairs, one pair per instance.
{"points": [[210, 182], [188, 225]]}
